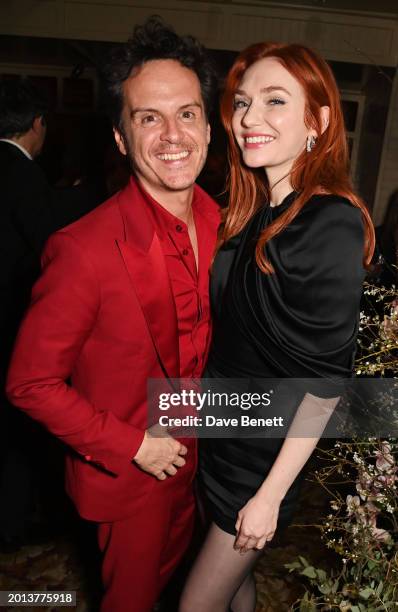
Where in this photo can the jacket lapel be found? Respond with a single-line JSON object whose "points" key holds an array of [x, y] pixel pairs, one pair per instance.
{"points": [[145, 263]]}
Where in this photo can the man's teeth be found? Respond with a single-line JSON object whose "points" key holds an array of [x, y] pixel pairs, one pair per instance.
{"points": [[173, 156], [254, 139]]}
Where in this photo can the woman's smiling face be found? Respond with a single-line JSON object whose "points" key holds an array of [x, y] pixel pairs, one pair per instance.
{"points": [[268, 119]]}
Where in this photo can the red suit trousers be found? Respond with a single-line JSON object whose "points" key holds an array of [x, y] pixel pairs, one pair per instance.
{"points": [[141, 552]]}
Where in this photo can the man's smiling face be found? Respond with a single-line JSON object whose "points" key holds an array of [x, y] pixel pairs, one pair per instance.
{"points": [[165, 129]]}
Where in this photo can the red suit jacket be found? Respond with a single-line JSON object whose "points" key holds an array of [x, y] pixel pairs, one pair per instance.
{"points": [[103, 316]]}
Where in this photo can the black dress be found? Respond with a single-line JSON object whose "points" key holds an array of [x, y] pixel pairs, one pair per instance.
{"points": [[300, 322]]}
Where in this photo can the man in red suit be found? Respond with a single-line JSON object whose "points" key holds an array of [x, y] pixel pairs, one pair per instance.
{"points": [[123, 297]]}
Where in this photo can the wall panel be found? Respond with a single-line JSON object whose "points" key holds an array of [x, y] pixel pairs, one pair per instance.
{"points": [[340, 35]]}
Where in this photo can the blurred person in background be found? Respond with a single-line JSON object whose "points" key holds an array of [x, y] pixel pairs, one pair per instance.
{"points": [[386, 264], [30, 211]]}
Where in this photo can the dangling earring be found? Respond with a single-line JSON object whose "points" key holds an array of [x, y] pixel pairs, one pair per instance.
{"points": [[311, 142]]}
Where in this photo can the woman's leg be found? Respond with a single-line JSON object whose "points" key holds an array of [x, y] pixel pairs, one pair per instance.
{"points": [[245, 597], [217, 576]]}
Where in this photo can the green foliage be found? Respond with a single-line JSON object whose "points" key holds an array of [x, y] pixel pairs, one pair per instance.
{"points": [[367, 579], [363, 528]]}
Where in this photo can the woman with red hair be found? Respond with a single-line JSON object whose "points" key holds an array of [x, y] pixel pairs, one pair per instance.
{"points": [[286, 288]]}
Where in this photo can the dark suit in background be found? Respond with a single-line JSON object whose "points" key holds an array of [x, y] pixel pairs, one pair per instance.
{"points": [[30, 210]]}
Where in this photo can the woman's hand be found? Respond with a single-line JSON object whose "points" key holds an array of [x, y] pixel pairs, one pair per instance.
{"points": [[256, 523]]}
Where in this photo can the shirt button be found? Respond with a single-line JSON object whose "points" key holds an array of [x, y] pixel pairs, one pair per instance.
{"points": [[179, 228], [185, 252]]}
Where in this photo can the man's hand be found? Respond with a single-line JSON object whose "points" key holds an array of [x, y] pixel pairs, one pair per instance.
{"points": [[160, 456]]}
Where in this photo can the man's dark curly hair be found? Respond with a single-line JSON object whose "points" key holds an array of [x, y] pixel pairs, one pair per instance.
{"points": [[154, 40], [20, 104]]}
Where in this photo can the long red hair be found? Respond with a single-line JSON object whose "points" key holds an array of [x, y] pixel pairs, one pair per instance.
{"points": [[324, 170]]}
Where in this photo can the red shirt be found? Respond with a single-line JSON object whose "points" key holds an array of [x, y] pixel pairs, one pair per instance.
{"points": [[190, 285]]}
